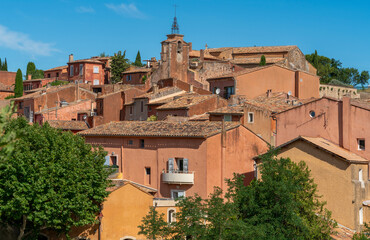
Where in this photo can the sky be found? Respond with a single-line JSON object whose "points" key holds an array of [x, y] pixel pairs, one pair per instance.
{"points": [[47, 31]]}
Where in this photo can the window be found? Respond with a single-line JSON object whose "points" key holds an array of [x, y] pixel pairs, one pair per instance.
{"points": [[20, 105], [97, 90], [96, 82], [71, 71], [227, 118], [361, 216], [312, 114], [228, 92], [142, 144], [57, 75], [147, 176], [177, 194], [130, 142], [107, 161], [142, 106], [81, 69], [128, 77], [150, 108], [130, 110], [251, 117], [171, 215], [361, 144], [113, 160], [48, 75], [96, 70]]}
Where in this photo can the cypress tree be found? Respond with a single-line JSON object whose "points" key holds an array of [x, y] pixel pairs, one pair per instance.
{"points": [[138, 62], [316, 60], [1, 66], [18, 89], [263, 60], [5, 66]]}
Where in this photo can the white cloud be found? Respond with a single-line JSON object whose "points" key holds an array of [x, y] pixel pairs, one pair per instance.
{"points": [[83, 9], [128, 10], [21, 42]]}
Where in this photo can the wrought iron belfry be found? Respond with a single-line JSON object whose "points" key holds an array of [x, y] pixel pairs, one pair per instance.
{"points": [[175, 26]]}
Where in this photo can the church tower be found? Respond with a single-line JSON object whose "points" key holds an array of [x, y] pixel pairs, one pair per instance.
{"points": [[175, 55]]}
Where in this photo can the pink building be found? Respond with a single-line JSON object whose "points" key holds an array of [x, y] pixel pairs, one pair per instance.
{"points": [[343, 122], [178, 159]]}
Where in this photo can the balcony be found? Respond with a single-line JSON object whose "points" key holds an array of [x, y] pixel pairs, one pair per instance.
{"points": [[178, 177]]}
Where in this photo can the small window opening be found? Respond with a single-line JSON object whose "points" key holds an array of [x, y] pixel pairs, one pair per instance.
{"points": [[312, 114], [251, 117], [142, 144], [361, 144]]}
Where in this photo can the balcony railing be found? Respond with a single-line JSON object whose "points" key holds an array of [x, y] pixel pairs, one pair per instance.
{"points": [[178, 177]]}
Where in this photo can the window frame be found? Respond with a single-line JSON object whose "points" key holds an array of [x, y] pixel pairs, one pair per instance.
{"points": [[228, 118], [250, 114], [359, 145], [177, 191], [71, 73], [95, 69], [142, 143]]}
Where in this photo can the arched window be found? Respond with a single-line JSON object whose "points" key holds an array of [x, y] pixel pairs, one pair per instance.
{"points": [[179, 47], [171, 213]]}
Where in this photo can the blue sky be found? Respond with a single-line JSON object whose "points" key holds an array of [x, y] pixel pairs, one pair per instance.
{"points": [[47, 31]]}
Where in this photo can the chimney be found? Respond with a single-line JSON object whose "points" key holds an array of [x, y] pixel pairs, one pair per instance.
{"points": [[70, 58], [29, 77], [155, 88], [190, 46], [201, 55], [346, 122], [268, 93]]}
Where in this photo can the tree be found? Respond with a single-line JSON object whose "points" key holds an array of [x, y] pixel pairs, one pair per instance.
{"points": [[31, 68], [138, 62], [363, 79], [1, 65], [119, 64], [103, 54], [53, 180], [263, 60], [154, 226], [18, 88], [5, 65], [38, 74]]}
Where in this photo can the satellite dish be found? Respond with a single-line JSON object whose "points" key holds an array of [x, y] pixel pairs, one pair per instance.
{"points": [[289, 93], [218, 90]]}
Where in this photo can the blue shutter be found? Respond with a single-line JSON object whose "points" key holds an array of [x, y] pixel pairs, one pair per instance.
{"points": [[170, 165], [185, 165], [107, 161]]}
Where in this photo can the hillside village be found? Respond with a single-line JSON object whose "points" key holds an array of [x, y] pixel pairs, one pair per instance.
{"points": [[181, 124]]}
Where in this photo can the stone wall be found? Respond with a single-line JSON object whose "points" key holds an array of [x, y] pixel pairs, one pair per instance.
{"points": [[337, 91]]}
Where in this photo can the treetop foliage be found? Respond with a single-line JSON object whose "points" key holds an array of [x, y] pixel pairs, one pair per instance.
{"points": [[329, 69], [263, 60], [33, 71], [18, 88], [52, 180], [138, 62], [4, 65], [119, 64]]}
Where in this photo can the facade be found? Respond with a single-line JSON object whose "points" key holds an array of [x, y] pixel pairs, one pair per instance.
{"points": [[178, 159], [343, 122], [234, 113], [253, 82], [32, 84], [342, 178], [7, 78], [136, 76], [189, 105], [95, 71], [59, 73], [51, 97]]}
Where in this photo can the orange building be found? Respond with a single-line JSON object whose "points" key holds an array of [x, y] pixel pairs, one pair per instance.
{"points": [[59, 73], [253, 82], [178, 159]]}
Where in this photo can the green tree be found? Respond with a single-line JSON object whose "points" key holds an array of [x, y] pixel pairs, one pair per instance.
{"points": [[364, 235], [263, 60], [154, 226], [31, 68], [38, 74], [363, 79], [119, 64], [138, 62], [5, 65], [103, 54], [53, 180], [18, 88], [1, 65]]}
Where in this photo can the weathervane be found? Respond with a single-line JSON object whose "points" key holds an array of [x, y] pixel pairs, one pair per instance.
{"points": [[175, 26]]}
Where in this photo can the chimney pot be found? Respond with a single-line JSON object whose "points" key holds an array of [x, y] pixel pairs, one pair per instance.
{"points": [[70, 57], [29, 77]]}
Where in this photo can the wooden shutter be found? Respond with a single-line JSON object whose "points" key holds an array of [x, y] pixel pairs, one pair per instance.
{"points": [[170, 165], [185, 162]]}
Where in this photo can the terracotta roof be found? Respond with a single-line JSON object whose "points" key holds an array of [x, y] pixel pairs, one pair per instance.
{"points": [[276, 102], [218, 49], [196, 54], [70, 104], [331, 148], [233, 110], [266, 49], [117, 183], [56, 68], [87, 61], [138, 70], [68, 125], [6, 88], [362, 103], [159, 129], [186, 101], [255, 60], [123, 88], [163, 92], [201, 117]]}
